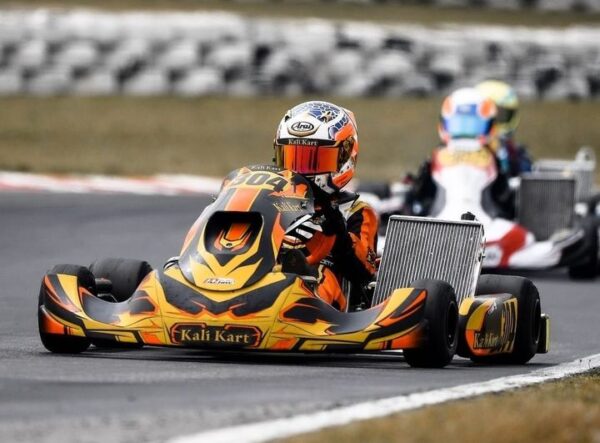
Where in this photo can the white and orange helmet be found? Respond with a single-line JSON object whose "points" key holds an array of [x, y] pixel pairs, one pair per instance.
{"points": [[467, 115], [318, 140]]}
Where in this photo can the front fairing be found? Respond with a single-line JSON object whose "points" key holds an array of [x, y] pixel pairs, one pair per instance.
{"points": [[236, 240], [509, 245], [211, 319], [278, 313], [564, 248]]}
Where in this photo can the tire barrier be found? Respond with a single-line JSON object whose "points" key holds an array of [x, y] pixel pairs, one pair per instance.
{"points": [[84, 52], [541, 5]]}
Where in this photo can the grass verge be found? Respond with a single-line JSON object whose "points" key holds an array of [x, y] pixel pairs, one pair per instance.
{"points": [[407, 11], [565, 411], [211, 136]]}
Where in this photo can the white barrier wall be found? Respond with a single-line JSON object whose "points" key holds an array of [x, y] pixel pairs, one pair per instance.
{"points": [[48, 52]]}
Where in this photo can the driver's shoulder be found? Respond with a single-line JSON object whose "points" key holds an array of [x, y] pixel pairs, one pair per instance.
{"points": [[351, 204]]}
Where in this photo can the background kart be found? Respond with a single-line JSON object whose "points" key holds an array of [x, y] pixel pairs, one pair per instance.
{"points": [[232, 288], [557, 211]]}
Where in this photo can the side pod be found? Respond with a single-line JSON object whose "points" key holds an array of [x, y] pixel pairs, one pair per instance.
{"points": [[501, 328], [487, 325], [503, 323]]}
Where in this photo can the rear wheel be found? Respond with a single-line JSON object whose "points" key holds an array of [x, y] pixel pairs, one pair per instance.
{"points": [[441, 313], [59, 343], [528, 316], [125, 275]]}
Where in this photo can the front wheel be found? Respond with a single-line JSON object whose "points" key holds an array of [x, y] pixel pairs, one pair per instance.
{"points": [[441, 313], [124, 274], [59, 343]]}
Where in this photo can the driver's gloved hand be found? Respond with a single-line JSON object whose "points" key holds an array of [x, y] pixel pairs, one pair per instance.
{"points": [[422, 181], [302, 230], [422, 192], [334, 222]]}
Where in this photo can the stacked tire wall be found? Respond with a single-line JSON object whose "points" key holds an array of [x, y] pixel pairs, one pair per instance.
{"points": [[541, 5], [55, 52]]}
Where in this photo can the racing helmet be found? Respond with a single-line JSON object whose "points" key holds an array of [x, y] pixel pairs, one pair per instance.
{"points": [[318, 140], [507, 103], [467, 118]]}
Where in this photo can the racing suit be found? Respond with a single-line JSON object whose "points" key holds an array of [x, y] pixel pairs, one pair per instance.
{"points": [[348, 242], [345, 246], [513, 158], [423, 189]]}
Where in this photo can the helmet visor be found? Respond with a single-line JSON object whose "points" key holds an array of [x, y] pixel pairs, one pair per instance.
{"points": [[307, 159], [467, 125], [505, 115]]}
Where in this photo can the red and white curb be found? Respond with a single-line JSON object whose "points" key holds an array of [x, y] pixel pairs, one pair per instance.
{"points": [[300, 424], [162, 184]]}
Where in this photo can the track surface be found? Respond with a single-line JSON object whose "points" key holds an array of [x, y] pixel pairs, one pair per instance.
{"points": [[153, 394]]}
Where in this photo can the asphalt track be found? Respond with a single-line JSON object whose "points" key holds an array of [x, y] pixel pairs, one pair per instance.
{"points": [[154, 394]]}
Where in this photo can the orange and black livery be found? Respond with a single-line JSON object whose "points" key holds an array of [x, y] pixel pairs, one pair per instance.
{"points": [[231, 287]]}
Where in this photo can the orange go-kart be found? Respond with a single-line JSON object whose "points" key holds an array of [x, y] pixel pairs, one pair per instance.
{"points": [[233, 288]]}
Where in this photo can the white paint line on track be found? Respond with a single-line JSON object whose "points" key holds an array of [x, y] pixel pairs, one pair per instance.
{"points": [[300, 424], [163, 184]]}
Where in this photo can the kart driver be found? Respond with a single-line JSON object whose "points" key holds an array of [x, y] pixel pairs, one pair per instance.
{"points": [[512, 156], [467, 119], [319, 140]]}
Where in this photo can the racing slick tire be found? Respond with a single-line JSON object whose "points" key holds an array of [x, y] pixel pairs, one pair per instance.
{"points": [[441, 313], [529, 316], [588, 268], [66, 344], [125, 275]]}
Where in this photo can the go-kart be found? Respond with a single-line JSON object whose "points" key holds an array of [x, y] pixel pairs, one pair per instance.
{"points": [[234, 287], [550, 229]]}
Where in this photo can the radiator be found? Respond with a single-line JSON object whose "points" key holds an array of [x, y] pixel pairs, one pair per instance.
{"points": [[545, 203], [419, 247], [582, 171]]}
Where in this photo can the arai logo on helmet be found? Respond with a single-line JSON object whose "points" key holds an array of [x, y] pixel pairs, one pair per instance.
{"points": [[302, 128]]}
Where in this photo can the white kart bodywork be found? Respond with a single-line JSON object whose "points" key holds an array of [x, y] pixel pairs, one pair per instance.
{"points": [[461, 177]]}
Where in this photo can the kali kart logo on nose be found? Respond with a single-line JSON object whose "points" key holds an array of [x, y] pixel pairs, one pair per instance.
{"points": [[302, 128], [219, 281]]}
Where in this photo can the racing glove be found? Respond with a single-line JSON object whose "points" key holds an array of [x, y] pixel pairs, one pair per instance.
{"points": [[422, 193], [302, 230], [333, 221]]}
